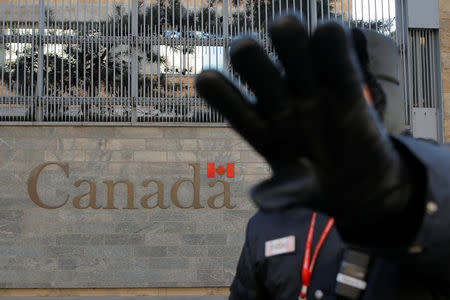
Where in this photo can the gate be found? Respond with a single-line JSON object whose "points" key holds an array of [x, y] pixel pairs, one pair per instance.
{"points": [[134, 62]]}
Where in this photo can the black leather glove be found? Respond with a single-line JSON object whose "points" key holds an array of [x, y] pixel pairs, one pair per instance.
{"points": [[314, 108]]}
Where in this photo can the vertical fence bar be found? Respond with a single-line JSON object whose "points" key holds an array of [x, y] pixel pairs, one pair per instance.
{"points": [[40, 72], [402, 38], [4, 63], [225, 34], [134, 58], [312, 14]]}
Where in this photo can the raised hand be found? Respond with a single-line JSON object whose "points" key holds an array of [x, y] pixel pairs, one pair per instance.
{"points": [[313, 108]]}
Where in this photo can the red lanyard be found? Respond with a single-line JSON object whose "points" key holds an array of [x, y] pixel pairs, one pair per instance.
{"points": [[308, 266]]}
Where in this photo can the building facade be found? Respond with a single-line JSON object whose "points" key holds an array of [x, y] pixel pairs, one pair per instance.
{"points": [[117, 179], [444, 21]]}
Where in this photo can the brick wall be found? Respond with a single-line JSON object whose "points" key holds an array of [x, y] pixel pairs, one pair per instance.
{"points": [[444, 8], [97, 246]]}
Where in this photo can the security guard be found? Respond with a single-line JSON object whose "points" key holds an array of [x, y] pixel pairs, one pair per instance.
{"points": [[351, 212]]}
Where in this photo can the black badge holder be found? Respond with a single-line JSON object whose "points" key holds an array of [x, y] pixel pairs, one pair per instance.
{"points": [[351, 278]]}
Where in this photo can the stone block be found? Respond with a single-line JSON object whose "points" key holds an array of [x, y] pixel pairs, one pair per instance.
{"points": [[132, 216], [97, 228], [230, 264], [22, 251], [204, 239], [67, 263], [211, 276], [124, 239], [33, 143], [139, 132], [28, 155], [11, 263], [62, 278], [80, 239], [157, 239], [7, 157], [131, 263], [170, 216], [206, 263], [262, 169], [156, 251], [182, 156], [218, 133], [63, 251], [168, 263], [28, 239], [444, 5], [109, 251], [64, 155], [238, 216], [11, 215], [7, 229], [7, 143], [221, 156], [179, 227], [125, 144], [141, 227], [164, 144], [207, 144], [76, 216], [99, 155], [139, 276], [251, 156], [150, 156], [224, 251], [93, 276], [85, 132], [180, 133], [236, 238], [87, 264], [187, 251], [81, 144], [179, 277]]}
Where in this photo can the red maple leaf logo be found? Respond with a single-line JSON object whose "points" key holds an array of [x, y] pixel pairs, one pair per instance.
{"points": [[221, 170]]}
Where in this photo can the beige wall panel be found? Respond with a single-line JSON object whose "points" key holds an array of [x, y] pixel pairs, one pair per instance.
{"points": [[444, 8], [106, 207]]}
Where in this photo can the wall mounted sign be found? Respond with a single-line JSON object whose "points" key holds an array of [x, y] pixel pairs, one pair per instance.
{"points": [[89, 199]]}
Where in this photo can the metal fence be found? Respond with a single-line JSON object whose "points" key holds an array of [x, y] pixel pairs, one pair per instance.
{"points": [[424, 79], [135, 61]]}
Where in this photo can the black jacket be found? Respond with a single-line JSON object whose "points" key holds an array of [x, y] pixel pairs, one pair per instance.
{"points": [[421, 271]]}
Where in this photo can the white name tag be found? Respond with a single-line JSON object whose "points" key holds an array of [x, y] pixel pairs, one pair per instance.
{"points": [[351, 281], [280, 246]]}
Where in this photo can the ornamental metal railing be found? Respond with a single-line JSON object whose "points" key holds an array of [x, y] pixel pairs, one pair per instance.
{"points": [[134, 62]]}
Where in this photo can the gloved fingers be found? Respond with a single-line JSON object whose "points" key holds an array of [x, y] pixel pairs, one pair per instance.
{"points": [[291, 43], [336, 70], [293, 183], [256, 69], [223, 95]]}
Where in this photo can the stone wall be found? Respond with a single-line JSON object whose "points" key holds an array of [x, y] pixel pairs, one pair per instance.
{"points": [[123, 207], [444, 9]]}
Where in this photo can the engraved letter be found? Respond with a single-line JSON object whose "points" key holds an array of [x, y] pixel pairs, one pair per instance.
{"points": [[226, 195], [160, 193], [33, 180], [196, 186], [130, 188], [92, 195]]}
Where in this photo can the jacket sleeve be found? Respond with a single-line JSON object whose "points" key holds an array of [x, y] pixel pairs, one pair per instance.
{"points": [[245, 286], [429, 254]]}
